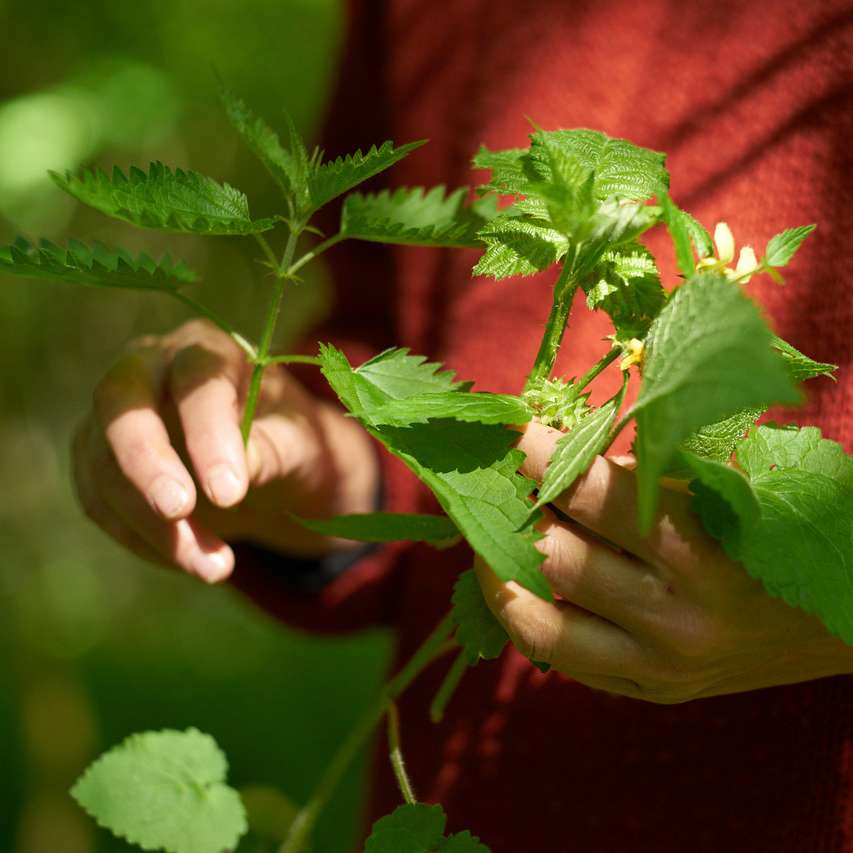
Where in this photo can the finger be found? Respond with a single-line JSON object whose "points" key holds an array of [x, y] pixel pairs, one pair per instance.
{"points": [[127, 411], [110, 501], [571, 639], [205, 385]]}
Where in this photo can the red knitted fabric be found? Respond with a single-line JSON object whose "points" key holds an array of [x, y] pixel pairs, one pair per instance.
{"points": [[753, 101]]}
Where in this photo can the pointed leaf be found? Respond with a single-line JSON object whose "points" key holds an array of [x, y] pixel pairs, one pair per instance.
{"points": [[470, 467], [478, 631], [800, 367], [519, 246], [164, 200], [165, 791], [97, 266], [694, 372], [782, 247], [383, 527], [576, 450], [416, 217], [464, 406], [331, 179]]}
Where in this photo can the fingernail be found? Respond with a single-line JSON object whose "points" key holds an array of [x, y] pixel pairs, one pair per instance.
{"points": [[212, 566], [223, 486], [168, 496]]}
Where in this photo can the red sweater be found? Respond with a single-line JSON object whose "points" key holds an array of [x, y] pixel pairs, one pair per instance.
{"points": [[753, 102]]}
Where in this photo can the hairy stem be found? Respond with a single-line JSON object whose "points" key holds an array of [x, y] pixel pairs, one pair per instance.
{"points": [[358, 737], [261, 360], [396, 755], [564, 293]]}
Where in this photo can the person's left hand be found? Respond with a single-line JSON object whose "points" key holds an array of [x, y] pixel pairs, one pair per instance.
{"points": [[664, 616]]}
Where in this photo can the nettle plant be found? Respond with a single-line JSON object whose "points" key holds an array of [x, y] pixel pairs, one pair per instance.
{"points": [[709, 368]]}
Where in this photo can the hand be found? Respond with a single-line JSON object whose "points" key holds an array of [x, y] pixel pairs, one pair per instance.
{"points": [[665, 615], [160, 463]]}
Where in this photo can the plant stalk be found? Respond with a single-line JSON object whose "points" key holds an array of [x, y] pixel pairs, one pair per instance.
{"points": [[360, 734]]}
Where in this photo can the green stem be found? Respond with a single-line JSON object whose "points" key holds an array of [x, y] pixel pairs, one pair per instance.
{"points": [[396, 754], [294, 359], [609, 358], [564, 293], [318, 250], [360, 734], [447, 688], [262, 358]]}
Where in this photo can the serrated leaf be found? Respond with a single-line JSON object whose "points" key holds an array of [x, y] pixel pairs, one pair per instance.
{"points": [[576, 450], [626, 285], [508, 176], [800, 367], [333, 178], [417, 217], [164, 200], [782, 247], [801, 547], [519, 246], [686, 233], [482, 407], [470, 467], [694, 372], [478, 631], [165, 791], [384, 527], [717, 441], [98, 266], [288, 171], [419, 828]]}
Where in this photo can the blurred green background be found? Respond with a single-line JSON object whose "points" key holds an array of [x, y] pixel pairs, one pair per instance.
{"points": [[94, 644]]}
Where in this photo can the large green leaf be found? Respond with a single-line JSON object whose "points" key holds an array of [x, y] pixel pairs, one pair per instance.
{"points": [[708, 355], [470, 467], [99, 266], [333, 178], [416, 217], [165, 200], [478, 631], [790, 523], [165, 791]]}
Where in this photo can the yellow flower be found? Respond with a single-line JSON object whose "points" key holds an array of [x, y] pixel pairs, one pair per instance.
{"points": [[747, 263], [633, 356]]}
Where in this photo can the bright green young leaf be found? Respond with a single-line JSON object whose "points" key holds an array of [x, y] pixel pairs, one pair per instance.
{"points": [[626, 285], [289, 171], [717, 441], [800, 367], [98, 266], [686, 234], [694, 372], [165, 200], [577, 448], [463, 405], [782, 247], [470, 467], [508, 176], [478, 632], [419, 828], [417, 217], [519, 246], [333, 178], [384, 527], [165, 791]]}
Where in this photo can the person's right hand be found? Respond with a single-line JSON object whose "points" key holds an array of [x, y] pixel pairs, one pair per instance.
{"points": [[160, 463]]}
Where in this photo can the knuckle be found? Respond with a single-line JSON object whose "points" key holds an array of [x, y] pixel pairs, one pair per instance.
{"points": [[532, 638]]}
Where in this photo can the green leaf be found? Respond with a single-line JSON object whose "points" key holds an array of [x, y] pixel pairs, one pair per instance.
{"points": [[800, 367], [519, 246], [801, 545], [483, 407], [684, 231], [576, 450], [289, 172], [417, 217], [782, 247], [165, 791], [478, 631], [164, 200], [334, 178], [627, 287], [419, 828], [717, 441], [508, 176], [470, 467], [383, 527], [694, 372], [98, 266]]}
